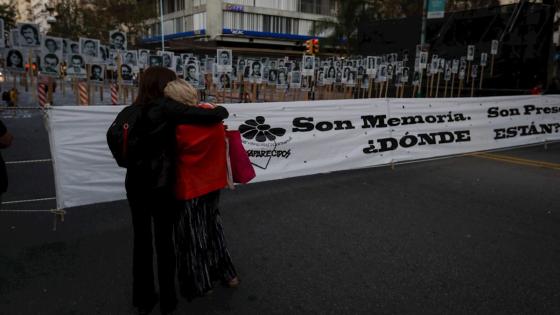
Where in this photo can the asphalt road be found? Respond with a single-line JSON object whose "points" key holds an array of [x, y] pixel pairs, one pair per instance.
{"points": [[464, 235]]}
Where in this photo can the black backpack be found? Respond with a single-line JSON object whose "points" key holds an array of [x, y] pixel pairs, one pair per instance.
{"points": [[123, 135], [6, 96]]}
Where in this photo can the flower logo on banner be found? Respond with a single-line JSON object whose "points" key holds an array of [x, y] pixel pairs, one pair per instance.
{"points": [[257, 129], [261, 141]]}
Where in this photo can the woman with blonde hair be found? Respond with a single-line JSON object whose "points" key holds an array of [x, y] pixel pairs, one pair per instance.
{"points": [[202, 255], [150, 184]]}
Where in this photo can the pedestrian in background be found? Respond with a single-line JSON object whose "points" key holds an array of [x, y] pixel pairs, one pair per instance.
{"points": [[202, 254], [150, 184]]}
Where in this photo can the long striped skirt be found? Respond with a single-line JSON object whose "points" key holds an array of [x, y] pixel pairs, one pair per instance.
{"points": [[202, 255]]}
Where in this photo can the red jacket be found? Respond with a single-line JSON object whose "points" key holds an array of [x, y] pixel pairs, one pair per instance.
{"points": [[201, 162]]}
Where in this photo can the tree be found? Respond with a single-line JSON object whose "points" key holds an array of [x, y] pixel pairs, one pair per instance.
{"points": [[68, 21], [8, 14], [98, 17], [343, 29]]}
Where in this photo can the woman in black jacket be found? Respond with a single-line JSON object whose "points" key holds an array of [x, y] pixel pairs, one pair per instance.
{"points": [[150, 187]]}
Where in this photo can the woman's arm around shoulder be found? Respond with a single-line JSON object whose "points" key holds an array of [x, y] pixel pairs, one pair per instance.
{"points": [[182, 114]]}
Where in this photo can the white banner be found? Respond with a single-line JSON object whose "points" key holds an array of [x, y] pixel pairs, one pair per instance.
{"points": [[302, 138]]}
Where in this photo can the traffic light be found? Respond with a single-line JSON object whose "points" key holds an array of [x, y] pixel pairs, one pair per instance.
{"points": [[315, 46], [312, 46], [309, 47]]}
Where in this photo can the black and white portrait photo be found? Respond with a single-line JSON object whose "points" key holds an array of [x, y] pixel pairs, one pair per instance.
{"points": [[455, 66], [28, 35], [155, 61], [143, 57], [224, 60], [89, 48], [282, 80], [382, 73], [191, 74], [256, 72], [179, 65], [416, 78], [14, 60], [104, 55], [308, 65], [51, 45], [131, 58], [50, 65], [117, 40], [494, 47], [97, 74], [167, 59], [74, 47], [76, 66], [404, 78], [224, 82], [470, 53], [483, 59], [272, 76], [295, 79], [423, 59], [126, 73]]}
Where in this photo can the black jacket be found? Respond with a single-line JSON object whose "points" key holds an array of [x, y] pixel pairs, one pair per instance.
{"points": [[155, 168]]}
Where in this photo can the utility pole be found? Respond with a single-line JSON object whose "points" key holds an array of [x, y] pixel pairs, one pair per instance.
{"points": [[161, 21], [424, 22]]}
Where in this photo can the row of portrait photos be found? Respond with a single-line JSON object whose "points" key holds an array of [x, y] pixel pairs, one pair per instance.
{"points": [[49, 52]]}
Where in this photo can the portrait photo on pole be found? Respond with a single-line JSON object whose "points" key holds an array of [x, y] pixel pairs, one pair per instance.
{"points": [[308, 65], [470, 53], [127, 74], [224, 82], [282, 79], [117, 40], [74, 47], [179, 65], [494, 47], [272, 76], [225, 60], [483, 59], [295, 79], [97, 73], [51, 64], [256, 75], [191, 74], [143, 57], [167, 59], [155, 61], [89, 48], [131, 58], [104, 56], [14, 60], [51, 45], [76, 66], [28, 35]]}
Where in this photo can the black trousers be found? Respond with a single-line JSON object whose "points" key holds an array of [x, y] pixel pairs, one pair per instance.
{"points": [[157, 207]]}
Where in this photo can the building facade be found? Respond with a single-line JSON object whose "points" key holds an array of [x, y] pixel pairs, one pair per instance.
{"points": [[34, 11], [238, 24]]}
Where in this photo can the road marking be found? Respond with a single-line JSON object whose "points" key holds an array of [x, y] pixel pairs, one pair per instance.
{"points": [[13, 202], [517, 160]]}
